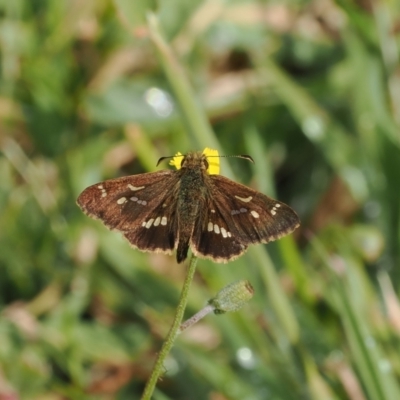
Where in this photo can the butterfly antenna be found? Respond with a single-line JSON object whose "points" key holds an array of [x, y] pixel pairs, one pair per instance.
{"points": [[162, 159], [244, 156]]}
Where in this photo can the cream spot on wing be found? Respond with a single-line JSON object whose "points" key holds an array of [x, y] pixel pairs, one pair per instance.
{"points": [[216, 228], [275, 209], [149, 223], [245, 199], [210, 227], [121, 200], [224, 232], [157, 221], [213, 211], [103, 191], [255, 214], [229, 234], [144, 223], [164, 221], [134, 188]]}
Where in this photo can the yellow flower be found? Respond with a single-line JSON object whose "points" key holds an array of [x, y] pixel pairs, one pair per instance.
{"points": [[212, 158], [177, 160], [213, 161]]}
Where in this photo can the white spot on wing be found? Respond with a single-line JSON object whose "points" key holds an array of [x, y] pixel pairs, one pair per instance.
{"points": [[245, 199], [134, 188], [103, 191], [210, 227], [157, 221], [255, 214], [121, 200], [216, 228], [275, 208], [149, 223], [224, 232], [164, 221]]}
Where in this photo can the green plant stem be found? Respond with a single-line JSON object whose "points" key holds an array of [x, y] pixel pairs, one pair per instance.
{"points": [[170, 339]]}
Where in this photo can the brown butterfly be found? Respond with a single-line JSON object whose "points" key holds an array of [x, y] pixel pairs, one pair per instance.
{"points": [[188, 208]]}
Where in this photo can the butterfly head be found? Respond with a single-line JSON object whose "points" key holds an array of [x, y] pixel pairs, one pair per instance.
{"points": [[206, 161], [195, 160]]}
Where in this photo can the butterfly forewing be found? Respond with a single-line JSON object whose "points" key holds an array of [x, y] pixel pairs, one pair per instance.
{"points": [[237, 216], [257, 218], [140, 206]]}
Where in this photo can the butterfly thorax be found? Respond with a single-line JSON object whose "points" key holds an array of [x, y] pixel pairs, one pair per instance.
{"points": [[191, 197]]}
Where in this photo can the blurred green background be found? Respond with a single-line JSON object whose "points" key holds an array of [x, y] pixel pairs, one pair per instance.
{"points": [[95, 89]]}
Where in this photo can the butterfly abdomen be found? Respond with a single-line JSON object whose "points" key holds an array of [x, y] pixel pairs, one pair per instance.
{"points": [[191, 197]]}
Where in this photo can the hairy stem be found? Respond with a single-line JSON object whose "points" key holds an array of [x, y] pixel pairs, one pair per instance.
{"points": [[196, 317], [169, 341]]}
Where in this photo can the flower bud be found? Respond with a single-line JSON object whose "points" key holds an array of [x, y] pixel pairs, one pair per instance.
{"points": [[232, 297]]}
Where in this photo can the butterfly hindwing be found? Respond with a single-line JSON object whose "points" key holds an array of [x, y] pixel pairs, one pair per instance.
{"points": [[213, 239], [140, 206]]}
